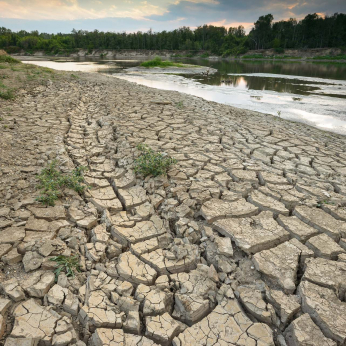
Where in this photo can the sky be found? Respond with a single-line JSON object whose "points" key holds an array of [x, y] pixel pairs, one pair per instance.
{"points": [[55, 16]]}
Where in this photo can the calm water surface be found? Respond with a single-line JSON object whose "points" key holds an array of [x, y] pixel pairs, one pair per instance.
{"points": [[313, 93]]}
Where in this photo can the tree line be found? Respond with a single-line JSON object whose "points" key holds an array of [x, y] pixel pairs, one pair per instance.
{"points": [[313, 31]]}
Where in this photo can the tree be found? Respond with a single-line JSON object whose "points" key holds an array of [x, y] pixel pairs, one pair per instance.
{"points": [[313, 31]]}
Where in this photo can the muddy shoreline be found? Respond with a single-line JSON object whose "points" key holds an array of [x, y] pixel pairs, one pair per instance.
{"points": [[187, 69]]}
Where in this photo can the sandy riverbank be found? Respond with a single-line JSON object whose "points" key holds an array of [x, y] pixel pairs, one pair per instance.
{"points": [[244, 239], [268, 54]]}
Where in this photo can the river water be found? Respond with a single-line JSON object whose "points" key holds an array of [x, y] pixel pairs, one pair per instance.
{"points": [[309, 92]]}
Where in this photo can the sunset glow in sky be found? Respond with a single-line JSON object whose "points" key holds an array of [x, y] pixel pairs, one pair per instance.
{"points": [[133, 15]]}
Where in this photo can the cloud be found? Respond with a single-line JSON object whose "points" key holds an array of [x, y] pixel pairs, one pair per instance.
{"points": [[79, 9], [215, 2], [87, 9], [42, 9], [132, 15], [247, 25]]}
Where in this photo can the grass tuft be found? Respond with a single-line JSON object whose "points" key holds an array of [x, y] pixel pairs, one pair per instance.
{"points": [[180, 105], [158, 62], [7, 94], [66, 264], [52, 180], [9, 59], [151, 162]]}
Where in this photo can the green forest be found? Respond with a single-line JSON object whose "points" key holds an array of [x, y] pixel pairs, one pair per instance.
{"points": [[313, 31]]}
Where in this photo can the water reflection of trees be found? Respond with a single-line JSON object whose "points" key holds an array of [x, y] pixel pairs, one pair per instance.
{"points": [[308, 69], [293, 86]]}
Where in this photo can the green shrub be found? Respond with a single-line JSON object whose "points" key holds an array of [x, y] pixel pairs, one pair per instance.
{"points": [[9, 59], [330, 57], [205, 55], [253, 56], [180, 104], [12, 49], [151, 162], [52, 180], [226, 53], [7, 94], [66, 264], [158, 62], [287, 57]]}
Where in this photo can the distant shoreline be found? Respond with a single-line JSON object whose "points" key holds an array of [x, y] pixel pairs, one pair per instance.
{"points": [[301, 55]]}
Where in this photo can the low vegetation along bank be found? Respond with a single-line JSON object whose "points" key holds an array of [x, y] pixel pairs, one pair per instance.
{"points": [[6, 83], [158, 62], [283, 57], [15, 75]]}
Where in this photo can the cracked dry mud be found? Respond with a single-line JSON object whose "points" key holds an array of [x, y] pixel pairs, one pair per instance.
{"points": [[242, 243]]}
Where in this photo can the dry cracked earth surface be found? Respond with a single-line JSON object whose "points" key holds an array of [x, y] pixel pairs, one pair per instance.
{"points": [[243, 243]]}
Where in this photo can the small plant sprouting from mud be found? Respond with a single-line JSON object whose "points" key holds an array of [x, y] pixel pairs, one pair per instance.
{"points": [[52, 180], [325, 201], [151, 162], [67, 264], [180, 105]]}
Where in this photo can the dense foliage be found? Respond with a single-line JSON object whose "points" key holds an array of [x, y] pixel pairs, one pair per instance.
{"points": [[313, 31]]}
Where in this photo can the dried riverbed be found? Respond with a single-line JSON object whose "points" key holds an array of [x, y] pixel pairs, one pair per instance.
{"points": [[243, 243]]}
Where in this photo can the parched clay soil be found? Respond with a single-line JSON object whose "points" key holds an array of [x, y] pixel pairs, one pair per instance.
{"points": [[243, 243]]}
